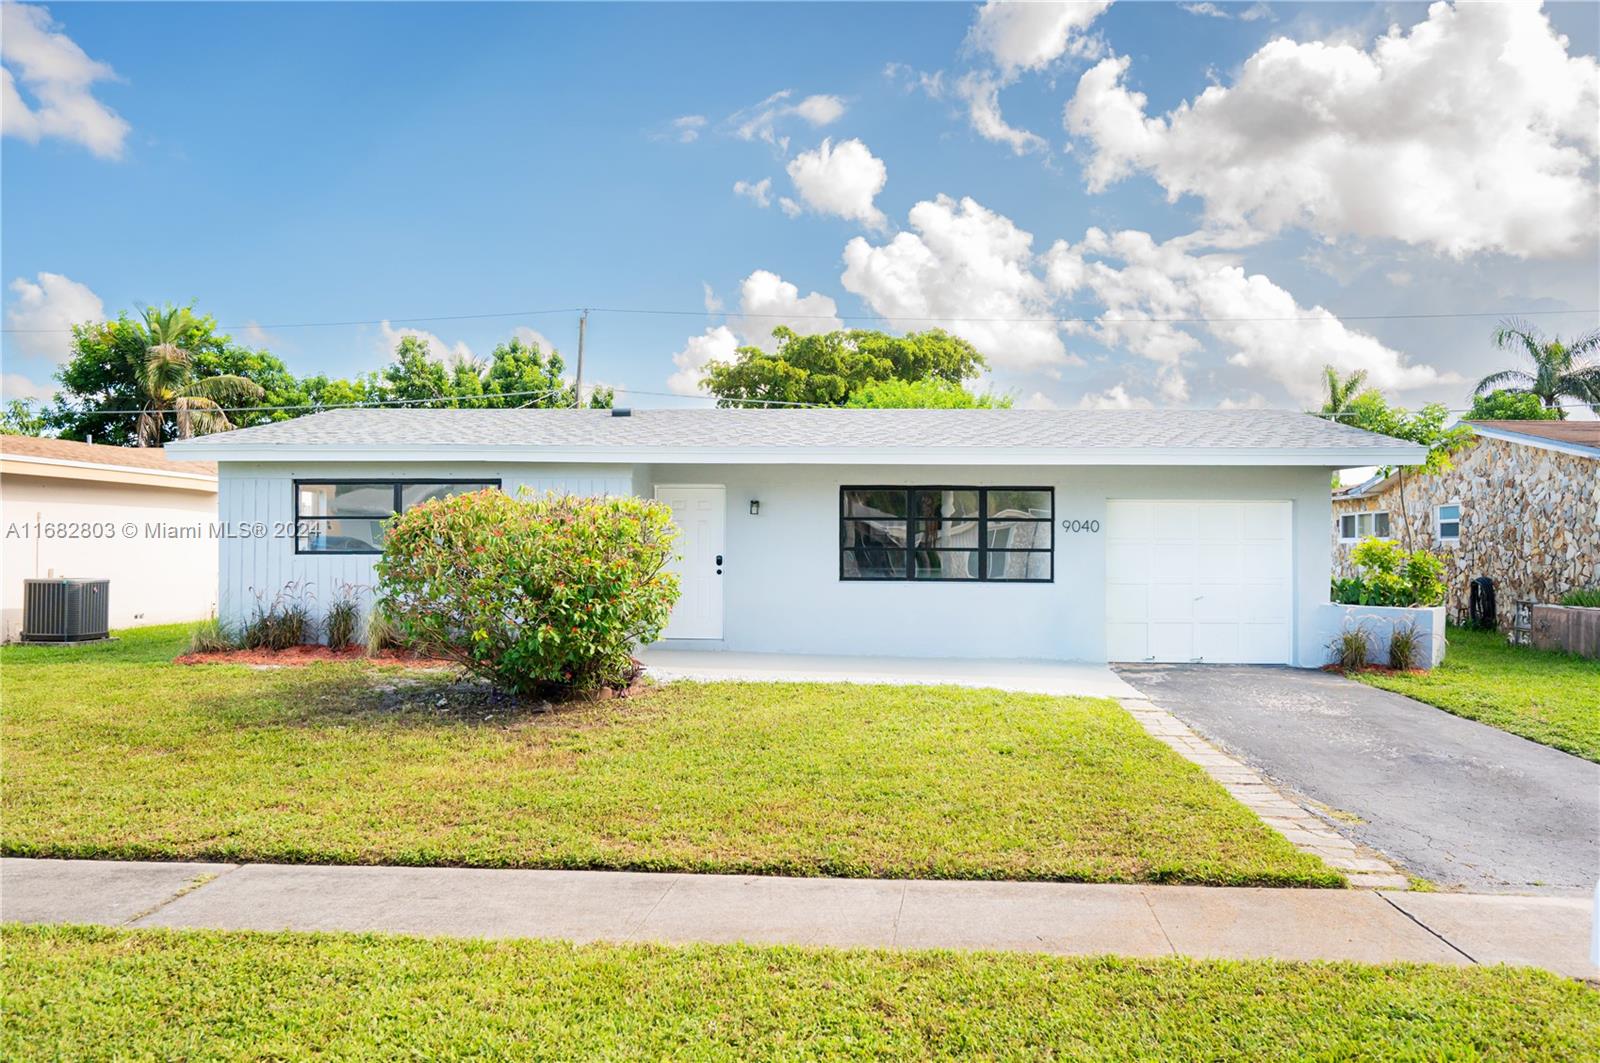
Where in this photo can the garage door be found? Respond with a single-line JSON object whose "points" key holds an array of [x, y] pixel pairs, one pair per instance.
{"points": [[1199, 581]]}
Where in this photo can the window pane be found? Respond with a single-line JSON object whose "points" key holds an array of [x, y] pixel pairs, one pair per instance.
{"points": [[1449, 512], [874, 503], [1019, 534], [875, 533], [874, 564], [954, 503], [416, 494], [1007, 564], [946, 533], [1380, 525], [1021, 503], [946, 564], [346, 500], [341, 535], [1347, 526], [1449, 530]]}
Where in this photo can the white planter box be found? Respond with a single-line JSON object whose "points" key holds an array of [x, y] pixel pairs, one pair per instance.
{"points": [[1379, 621]]}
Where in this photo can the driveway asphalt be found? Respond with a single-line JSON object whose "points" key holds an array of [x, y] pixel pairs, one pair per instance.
{"points": [[1454, 801]]}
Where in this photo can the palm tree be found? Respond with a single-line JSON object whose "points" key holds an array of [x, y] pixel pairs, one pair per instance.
{"points": [[167, 383], [1560, 370], [1340, 390]]}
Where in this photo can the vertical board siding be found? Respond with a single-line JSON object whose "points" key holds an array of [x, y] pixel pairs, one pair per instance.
{"points": [[253, 570]]}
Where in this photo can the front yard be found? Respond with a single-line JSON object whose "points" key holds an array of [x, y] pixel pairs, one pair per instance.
{"points": [[81, 992], [1552, 698], [113, 751]]}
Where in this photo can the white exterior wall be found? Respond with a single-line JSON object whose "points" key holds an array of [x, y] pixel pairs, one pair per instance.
{"points": [[259, 494], [154, 580], [782, 592]]}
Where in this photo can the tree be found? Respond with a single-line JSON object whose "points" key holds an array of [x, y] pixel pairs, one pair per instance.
{"points": [[168, 385], [1341, 391], [22, 417], [1560, 370], [923, 395], [1426, 426], [826, 368], [1503, 405], [520, 374]]}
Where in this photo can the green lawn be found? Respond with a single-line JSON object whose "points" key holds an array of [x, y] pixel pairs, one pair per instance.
{"points": [[112, 751], [80, 992], [1553, 698]]}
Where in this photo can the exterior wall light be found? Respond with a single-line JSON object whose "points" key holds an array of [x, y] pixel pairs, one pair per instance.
{"points": [[755, 508]]}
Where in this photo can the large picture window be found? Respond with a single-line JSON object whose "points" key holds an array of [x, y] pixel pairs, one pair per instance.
{"points": [[346, 516], [994, 534]]}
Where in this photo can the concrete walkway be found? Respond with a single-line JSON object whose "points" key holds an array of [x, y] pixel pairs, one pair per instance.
{"points": [[1028, 677], [1550, 932]]}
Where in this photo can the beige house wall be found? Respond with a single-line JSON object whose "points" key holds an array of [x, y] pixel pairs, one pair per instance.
{"points": [[155, 578], [1530, 521]]}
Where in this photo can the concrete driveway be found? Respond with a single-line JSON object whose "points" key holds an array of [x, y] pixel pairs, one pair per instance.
{"points": [[1461, 804]]}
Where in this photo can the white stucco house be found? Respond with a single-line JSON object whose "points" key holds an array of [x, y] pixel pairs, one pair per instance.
{"points": [[1139, 535]]}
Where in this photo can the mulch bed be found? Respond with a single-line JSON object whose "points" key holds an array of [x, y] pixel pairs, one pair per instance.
{"points": [[1382, 669], [301, 655]]}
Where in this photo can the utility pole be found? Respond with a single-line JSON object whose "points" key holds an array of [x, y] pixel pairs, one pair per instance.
{"points": [[583, 320]]}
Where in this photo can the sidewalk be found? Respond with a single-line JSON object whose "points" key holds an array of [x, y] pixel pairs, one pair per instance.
{"points": [[1131, 920]]}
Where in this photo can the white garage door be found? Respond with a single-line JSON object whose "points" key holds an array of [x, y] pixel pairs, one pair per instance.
{"points": [[1199, 581]]}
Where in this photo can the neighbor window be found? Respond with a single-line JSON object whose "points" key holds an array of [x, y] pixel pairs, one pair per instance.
{"points": [[1353, 526], [346, 516], [997, 534], [1447, 522]]}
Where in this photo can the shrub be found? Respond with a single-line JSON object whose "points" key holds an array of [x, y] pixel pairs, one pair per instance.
{"points": [[283, 622], [343, 619], [534, 594], [1351, 647], [382, 634], [1588, 597], [1387, 575], [211, 636], [1405, 647]]}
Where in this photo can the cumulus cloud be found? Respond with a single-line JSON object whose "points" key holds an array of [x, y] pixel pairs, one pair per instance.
{"points": [[820, 110], [981, 93], [43, 311], [1115, 397], [842, 181], [1038, 401], [17, 386], [766, 301], [1158, 296], [1030, 36], [533, 336], [761, 121], [1473, 131], [714, 345], [389, 338], [60, 79], [758, 192], [965, 269]]}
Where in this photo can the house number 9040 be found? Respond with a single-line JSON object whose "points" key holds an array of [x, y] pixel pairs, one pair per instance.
{"points": [[1081, 525]]}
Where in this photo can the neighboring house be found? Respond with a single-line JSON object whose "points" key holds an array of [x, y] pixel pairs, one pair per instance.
{"points": [[1521, 505], [126, 514], [1075, 535]]}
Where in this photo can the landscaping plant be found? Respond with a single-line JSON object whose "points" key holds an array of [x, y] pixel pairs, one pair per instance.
{"points": [[283, 622], [343, 619], [536, 595], [211, 636], [1351, 648], [1405, 647], [382, 634], [1387, 575], [1588, 598]]}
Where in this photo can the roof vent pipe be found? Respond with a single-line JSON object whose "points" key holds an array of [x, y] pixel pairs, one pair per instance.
{"points": [[622, 411]]}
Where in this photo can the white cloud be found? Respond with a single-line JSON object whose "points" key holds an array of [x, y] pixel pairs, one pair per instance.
{"points": [[758, 192], [1030, 36], [981, 93], [842, 181], [1157, 296], [820, 110], [1208, 9], [60, 78], [1256, 11], [766, 301], [1115, 397], [715, 344], [761, 121], [448, 353], [1253, 401], [17, 386], [43, 311], [964, 269], [687, 127], [1474, 131], [790, 207], [529, 335], [1038, 401]]}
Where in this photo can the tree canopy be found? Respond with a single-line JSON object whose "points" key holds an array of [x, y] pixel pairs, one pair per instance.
{"points": [[1369, 410], [1559, 369], [923, 395], [1506, 405], [828, 368]]}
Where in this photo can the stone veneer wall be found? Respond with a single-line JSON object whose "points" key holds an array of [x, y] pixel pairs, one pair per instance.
{"points": [[1530, 521]]}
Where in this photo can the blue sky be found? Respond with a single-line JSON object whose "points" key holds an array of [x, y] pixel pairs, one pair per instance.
{"points": [[293, 163]]}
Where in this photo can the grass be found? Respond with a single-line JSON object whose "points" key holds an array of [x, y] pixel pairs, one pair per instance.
{"points": [[112, 751], [1552, 698], [80, 992]]}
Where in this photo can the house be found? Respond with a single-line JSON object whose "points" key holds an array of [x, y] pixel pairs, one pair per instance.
{"points": [[1521, 505], [125, 514], [1072, 535]]}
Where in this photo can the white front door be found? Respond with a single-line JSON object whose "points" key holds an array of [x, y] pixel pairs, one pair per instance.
{"points": [[699, 513], [1207, 582]]}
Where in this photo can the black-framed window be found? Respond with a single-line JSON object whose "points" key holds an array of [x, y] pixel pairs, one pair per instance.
{"points": [[346, 516], [963, 534]]}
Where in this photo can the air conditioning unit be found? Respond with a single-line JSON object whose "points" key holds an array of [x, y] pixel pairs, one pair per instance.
{"points": [[65, 610]]}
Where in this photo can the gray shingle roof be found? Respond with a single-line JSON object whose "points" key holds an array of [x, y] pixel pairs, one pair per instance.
{"points": [[797, 429]]}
